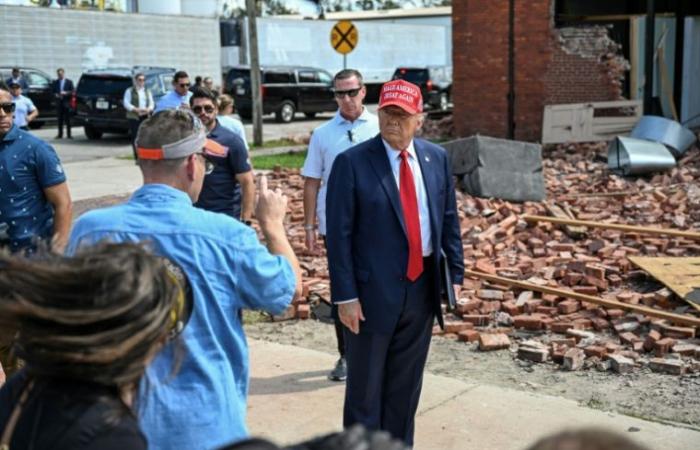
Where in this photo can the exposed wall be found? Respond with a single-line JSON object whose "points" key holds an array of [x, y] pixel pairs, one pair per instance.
{"points": [[551, 66]]}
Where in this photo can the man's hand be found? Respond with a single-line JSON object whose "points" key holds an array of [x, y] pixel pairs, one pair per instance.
{"points": [[271, 207], [311, 245], [2, 376], [350, 315]]}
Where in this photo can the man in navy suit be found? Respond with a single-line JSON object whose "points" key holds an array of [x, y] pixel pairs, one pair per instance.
{"points": [[63, 90], [391, 209]]}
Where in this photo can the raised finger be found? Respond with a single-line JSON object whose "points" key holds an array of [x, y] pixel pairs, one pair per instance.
{"points": [[263, 184]]}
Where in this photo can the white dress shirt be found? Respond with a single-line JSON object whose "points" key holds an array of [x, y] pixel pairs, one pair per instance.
{"points": [[421, 193]]}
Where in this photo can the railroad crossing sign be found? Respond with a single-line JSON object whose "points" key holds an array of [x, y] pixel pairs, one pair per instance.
{"points": [[344, 37]]}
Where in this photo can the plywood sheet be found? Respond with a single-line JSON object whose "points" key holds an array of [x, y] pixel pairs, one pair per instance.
{"points": [[681, 275]]}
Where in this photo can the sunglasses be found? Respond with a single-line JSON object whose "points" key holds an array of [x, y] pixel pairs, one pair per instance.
{"points": [[207, 109], [184, 85], [8, 108], [140, 79], [350, 93], [208, 165]]}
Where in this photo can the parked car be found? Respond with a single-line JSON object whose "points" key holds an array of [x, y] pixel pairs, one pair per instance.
{"points": [[39, 92], [435, 84], [99, 95], [286, 90]]}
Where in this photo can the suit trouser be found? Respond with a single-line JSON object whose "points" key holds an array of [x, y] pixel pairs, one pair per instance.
{"points": [[339, 327], [63, 114], [385, 372]]}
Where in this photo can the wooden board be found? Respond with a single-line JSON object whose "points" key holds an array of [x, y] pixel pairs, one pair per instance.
{"points": [[681, 275], [578, 122]]}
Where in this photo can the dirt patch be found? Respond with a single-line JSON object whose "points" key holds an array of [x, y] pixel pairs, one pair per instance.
{"points": [[642, 394]]}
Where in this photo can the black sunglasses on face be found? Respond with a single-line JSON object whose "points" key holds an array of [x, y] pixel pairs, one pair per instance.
{"points": [[350, 92], [207, 108], [8, 108], [140, 79], [184, 85]]}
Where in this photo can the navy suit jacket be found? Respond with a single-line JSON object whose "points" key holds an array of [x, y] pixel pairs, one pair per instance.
{"points": [[67, 86], [366, 238]]}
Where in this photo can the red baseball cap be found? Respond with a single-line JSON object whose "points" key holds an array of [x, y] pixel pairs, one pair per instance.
{"points": [[403, 94]]}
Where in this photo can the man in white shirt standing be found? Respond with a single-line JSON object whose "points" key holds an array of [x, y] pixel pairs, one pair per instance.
{"points": [[138, 102], [351, 125], [25, 111]]}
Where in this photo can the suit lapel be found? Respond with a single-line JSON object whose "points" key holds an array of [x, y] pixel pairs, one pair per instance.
{"points": [[381, 166]]}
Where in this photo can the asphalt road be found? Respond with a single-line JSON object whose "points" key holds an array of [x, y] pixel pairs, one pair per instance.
{"points": [[114, 145]]}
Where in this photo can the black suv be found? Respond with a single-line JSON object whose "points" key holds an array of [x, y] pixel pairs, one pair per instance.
{"points": [[286, 90], [100, 93], [39, 93], [435, 84]]}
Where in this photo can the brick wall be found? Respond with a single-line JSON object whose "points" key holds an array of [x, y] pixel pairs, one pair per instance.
{"points": [[551, 66]]}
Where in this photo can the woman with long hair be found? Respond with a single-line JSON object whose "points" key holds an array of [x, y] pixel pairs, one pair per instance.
{"points": [[85, 328]]}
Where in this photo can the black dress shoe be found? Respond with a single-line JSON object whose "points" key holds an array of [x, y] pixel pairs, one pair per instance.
{"points": [[70, 137], [59, 137], [339, 372]]}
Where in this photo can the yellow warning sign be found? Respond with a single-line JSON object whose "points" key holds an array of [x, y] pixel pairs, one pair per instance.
{"points": [[344, 37]]}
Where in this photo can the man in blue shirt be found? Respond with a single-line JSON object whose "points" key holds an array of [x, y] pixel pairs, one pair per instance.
{"points": [[35, 202], [17, 78], [25, 111], [202, 404], [230, 188], [179, 97]]}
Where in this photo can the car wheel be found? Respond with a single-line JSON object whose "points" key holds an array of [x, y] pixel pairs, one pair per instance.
{"points": [[310, 115], [92, 133], [444, 100], [285, 113]]}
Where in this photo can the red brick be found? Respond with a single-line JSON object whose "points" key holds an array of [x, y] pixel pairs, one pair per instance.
{"points": [[495, 341], [532, 322], [596, 350], [663, 346], [303, 311], [454, 326], [468, 335], [476, 319], [629, 338], [651, 340], [561, 327], [670, 366], [573, 359]]}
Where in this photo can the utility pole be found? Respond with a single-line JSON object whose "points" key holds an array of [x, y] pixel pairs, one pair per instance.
{"points": [[255, 82], [649, 59]]}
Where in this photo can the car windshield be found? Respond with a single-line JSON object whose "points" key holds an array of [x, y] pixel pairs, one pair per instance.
{"points": [[416, 76], [239, 77], [103, 85]]}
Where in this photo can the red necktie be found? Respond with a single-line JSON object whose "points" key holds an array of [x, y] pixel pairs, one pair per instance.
{"points": [[409, 204]]}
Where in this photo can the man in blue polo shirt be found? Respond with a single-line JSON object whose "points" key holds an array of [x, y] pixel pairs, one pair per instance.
{"points": [[179, 97], [196, 398], [25, 111], [230, 188], [35, 202]]}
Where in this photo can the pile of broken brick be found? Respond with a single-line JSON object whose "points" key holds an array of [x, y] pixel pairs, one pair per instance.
{"points": [[541, 327]]}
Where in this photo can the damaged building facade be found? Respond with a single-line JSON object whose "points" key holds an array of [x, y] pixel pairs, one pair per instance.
{"points": [[511, 58]]}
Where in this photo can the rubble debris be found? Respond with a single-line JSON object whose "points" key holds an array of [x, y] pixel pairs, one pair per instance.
{"points": [[493, 341], [664, 131], [681, 275], [498, 242], [630, 156]]}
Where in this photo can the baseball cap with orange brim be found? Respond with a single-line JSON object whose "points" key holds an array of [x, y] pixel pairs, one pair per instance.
{"points": [[195, 143]]}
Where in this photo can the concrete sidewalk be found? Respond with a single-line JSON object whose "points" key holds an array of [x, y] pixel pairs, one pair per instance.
{"points": [[291, 400], [101, 177]]}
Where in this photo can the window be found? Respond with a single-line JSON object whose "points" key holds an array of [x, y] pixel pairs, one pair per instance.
{"points": [[325, 78], [277, 77], [35, 79], [308, 76], [91, 85]]}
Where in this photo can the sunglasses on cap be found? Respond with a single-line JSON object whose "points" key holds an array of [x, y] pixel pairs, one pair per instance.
{"points": [[350, 93], [207, 109], [8, 108]]}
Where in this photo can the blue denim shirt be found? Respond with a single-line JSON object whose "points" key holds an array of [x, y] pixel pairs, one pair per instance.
{"points": [[28, 165], [204, 405]]}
